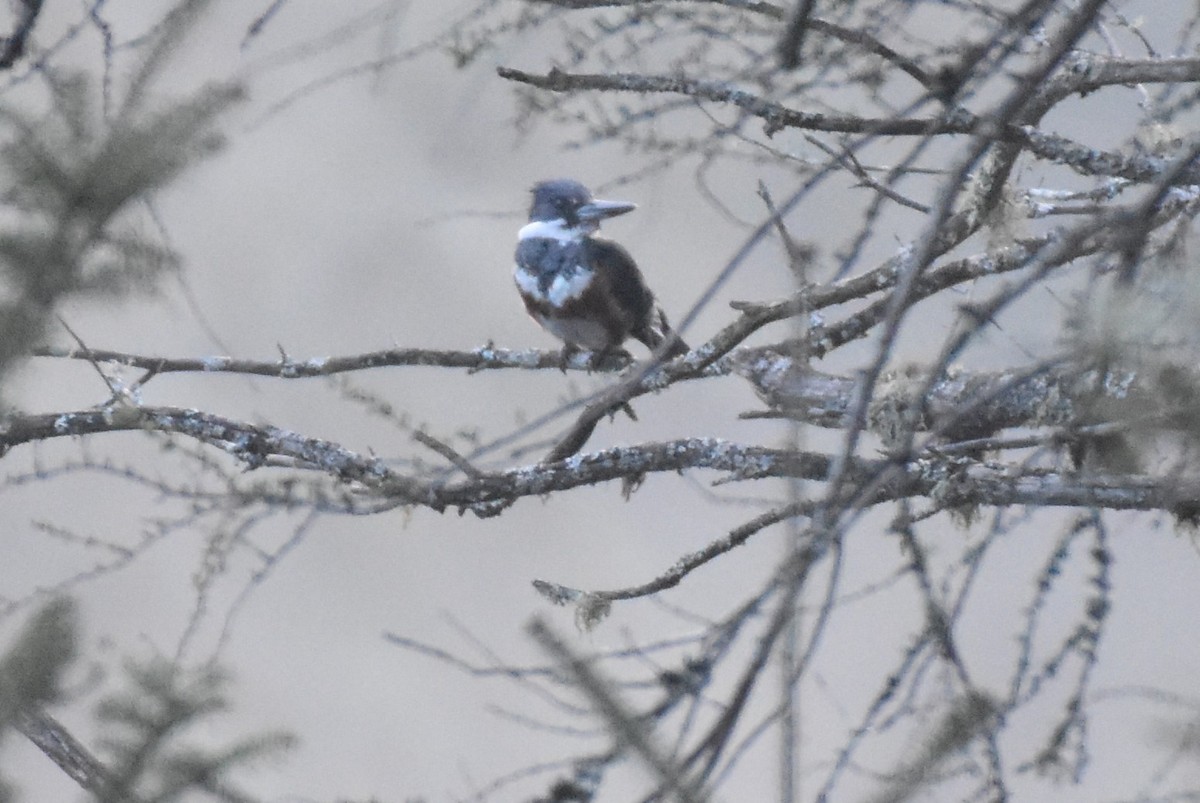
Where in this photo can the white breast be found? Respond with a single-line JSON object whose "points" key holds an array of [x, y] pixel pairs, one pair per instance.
{"points": [[564, 287]]}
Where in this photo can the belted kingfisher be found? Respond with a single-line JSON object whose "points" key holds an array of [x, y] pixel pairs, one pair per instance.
{"points": [[586, 291]]}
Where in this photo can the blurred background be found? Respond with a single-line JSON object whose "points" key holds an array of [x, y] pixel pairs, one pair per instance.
{"points": [[356, 209]]}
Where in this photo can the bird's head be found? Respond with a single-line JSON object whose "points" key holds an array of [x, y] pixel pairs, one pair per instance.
{"points": [[568, 205]]}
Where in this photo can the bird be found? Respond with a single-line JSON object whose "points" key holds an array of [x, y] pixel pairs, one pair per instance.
{"points": [[585, 290]]}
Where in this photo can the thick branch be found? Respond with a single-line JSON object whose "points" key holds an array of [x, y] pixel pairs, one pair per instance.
{"points": [[488, 494], [1001, 400]]}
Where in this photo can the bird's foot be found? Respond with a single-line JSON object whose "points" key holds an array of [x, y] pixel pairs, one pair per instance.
{"points": [[613, 358], [569, 350]]}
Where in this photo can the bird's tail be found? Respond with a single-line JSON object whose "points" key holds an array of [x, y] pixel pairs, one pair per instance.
{"points": [[654, 336]]}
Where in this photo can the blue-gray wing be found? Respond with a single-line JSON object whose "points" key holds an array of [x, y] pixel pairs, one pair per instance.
{"points": [[645, 320], [623, 278]]}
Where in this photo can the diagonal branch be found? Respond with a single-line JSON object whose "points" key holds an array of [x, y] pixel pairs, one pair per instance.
{"points": [[960, 121]]}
